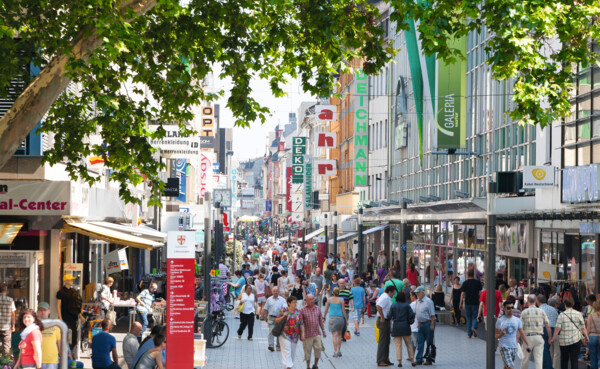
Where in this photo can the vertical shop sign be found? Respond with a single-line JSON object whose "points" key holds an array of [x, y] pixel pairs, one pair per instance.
{"points": [[308, 196], [233, 187], [361, 130], [181, 248], [451, 110], [181, 173], [298, 152], [288, 189]]}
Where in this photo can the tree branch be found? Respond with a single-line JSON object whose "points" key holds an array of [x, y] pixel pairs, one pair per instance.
{"points": [[35, 101]]}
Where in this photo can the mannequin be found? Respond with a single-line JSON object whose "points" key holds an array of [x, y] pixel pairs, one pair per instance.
{"points": [[69, 305]]}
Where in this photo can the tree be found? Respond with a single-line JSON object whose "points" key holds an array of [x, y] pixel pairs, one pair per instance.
{"points": [[115, 49], [538, 44]]}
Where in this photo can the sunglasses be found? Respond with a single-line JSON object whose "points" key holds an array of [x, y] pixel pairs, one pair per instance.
{"points": [[509, 308]]}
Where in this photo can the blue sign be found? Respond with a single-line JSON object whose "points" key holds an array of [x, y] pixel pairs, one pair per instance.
{"points": [[269, 205], [180, 172], [216, 167], [403, 247]]}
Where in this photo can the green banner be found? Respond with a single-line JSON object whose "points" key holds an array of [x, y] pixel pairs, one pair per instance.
{"points": [[308, 196], [414, 62], [451, 110]]}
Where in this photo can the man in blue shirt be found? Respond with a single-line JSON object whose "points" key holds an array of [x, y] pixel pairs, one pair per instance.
{"points": [[103, 345], [360, 297]]}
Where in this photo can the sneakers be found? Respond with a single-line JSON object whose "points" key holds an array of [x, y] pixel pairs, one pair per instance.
{"points": [[239, 336], [335, 354]]}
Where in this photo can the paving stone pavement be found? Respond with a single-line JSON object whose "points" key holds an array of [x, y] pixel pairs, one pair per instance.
{"points": [[454, 350]]}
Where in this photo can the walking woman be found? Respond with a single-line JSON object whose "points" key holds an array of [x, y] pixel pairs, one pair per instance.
{"points": [[31, 340], [248, 310], [570, 331], [455, 299], [413, 275], [261, 285], [593, 327], [402, 315], [291, 332], [284, 261], [298, 292], [333, 283], [284, 284], [337, 319]]}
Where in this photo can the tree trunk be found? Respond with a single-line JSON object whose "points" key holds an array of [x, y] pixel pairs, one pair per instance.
{"points": [[35, 101]]}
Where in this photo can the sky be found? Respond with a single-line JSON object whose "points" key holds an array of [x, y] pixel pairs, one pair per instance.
{"points": [[249, 143]]}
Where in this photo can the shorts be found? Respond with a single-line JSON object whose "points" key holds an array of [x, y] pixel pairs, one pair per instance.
{"points": [[509, 354], [261, 299], [336, 323], [357, 314]]}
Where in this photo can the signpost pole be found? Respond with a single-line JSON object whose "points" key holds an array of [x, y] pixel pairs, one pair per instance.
{"points": [[490, 283], [207, 325], [360, 241]]}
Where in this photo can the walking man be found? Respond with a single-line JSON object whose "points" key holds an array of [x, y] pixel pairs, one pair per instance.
{"points": [[346, 294], [534, 321], [383, 305], [508, 331], [50, 339], [551, 310], [552, 315], [319, 280], [469, 296], [144, 306], [271, 311], [425, 317], [7, 318], [311, 316]]}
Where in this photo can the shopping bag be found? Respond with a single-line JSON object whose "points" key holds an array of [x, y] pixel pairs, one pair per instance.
{"points": [[112, 316], [520, 353], [241, 308], [376, 332], [347, 335], [236, 307]]}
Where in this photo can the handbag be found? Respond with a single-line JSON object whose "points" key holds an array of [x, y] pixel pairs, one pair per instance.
{"points": [[376, 332], [579, 330], [278, 328], [241, 308], [112, 315], [347, 335]]}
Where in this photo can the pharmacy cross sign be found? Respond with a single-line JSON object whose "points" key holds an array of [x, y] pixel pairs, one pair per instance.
{"points": [[181, 240]]}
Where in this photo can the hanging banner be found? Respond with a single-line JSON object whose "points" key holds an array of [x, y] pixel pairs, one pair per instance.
{"points": [[181, 250], [206, 175], [325, 167], [233, 187], [226, 221], [326, 112], [181, 173], [361, 129], [207, 129], [298, 152], [116, 261], [326, 140], [451, 110]]}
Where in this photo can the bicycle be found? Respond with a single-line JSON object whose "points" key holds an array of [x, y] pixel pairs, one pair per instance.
{"points": [[220, 329]]}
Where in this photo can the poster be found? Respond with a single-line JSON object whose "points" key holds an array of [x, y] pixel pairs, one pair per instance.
{"points": [[116, 261]]}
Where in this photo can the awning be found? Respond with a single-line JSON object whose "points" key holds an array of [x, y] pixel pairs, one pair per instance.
{"points": [[376, 229], [347, 236], [314, 234], [111, 235], [141, 231]]}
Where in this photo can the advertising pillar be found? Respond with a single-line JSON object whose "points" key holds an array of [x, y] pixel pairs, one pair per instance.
{"points": [[180, 300]]}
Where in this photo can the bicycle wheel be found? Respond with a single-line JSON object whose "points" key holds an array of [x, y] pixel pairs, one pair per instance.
{"points": [[228, 306], [220, 333]]}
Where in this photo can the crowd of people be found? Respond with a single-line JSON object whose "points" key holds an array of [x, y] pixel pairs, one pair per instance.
{"points": [[281, 284]]}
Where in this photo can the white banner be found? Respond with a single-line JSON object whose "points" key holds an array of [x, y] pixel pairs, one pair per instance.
{"points": [[176, 146], [116, 261], [35, 198], [206, 173], [325, 167], [181, 244], [326, 112], [538, 177], [326, 140]]}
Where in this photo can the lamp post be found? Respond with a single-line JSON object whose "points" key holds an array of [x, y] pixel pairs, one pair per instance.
{"points": [[360, 241], [489, 276], [403, 237], [335, 223], [326, 235]]}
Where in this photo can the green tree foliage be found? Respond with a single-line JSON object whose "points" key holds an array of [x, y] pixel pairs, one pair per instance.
{"points": [[118, 49], [536, 43]]}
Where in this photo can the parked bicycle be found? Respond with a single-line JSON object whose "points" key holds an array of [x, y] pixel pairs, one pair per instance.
{"points": [[220, 329]]}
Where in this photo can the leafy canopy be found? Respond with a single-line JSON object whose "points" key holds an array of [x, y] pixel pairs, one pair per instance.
{"points": [[536, 43], [168, 51]]}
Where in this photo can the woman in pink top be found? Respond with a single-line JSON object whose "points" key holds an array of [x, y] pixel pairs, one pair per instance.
{"points": [[31, 341]]}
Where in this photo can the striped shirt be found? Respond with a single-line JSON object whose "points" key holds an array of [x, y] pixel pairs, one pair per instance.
{"points": [[347, 296]]}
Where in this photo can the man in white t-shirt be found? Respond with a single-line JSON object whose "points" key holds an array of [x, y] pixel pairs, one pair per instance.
{"points": [[508, 330]]}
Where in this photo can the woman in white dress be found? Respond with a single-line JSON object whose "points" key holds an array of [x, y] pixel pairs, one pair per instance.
{"points": [[284, 284]]}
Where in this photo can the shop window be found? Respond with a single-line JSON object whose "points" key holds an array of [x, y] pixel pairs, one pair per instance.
{"points": [[583, 154], [585, 81], [583, 131]]}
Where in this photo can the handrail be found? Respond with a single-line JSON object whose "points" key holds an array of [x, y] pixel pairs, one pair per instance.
{"points": [[64, 334]]}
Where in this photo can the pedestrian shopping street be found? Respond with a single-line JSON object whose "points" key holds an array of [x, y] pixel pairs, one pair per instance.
{"points": [[454, 350]]}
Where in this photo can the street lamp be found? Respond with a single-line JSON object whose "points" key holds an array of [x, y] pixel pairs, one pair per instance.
{"points": [[360, 241], [335, 223]]}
